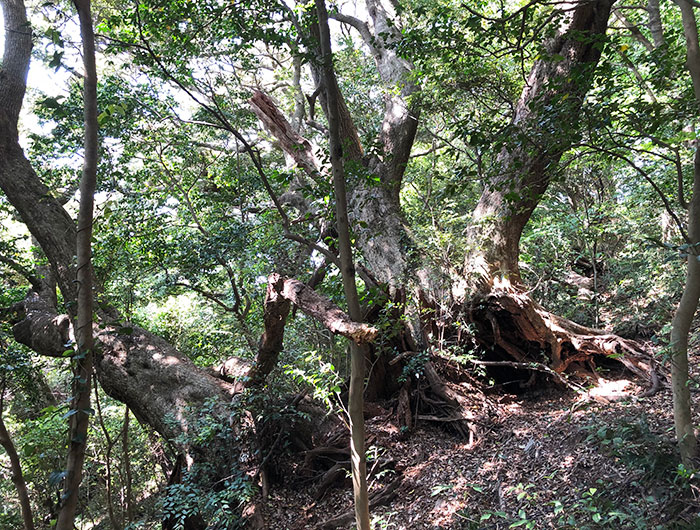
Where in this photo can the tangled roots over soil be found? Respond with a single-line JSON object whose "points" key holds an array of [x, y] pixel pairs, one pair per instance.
{"points": [[514, 327]]}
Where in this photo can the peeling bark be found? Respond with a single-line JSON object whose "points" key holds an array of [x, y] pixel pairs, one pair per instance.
{"points": [[281, 292], [512, 323], [297, 147], [370, 203]]}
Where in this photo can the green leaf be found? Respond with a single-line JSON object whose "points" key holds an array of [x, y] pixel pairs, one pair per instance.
{"points": [[55, 61]]}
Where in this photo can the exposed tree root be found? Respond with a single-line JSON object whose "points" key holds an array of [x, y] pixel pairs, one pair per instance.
{"points": [[511, 323]]}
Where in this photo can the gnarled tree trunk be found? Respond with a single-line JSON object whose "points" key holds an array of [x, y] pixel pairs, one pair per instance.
{"points": [[159, 384], [544, 126]]}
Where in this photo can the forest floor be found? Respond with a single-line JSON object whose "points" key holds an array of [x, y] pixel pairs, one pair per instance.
{"points": [[603, 459]]}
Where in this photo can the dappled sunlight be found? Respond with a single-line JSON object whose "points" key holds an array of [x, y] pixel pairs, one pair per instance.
{"points": [[165, 359], [613, 390], [502, 283]]}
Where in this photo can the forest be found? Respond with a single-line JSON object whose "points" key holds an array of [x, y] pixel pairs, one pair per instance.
{"points": [[373, 264]]}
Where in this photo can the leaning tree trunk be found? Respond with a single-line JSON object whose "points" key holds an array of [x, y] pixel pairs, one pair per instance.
{"points": [[159, 384], [543, 128], [507, 320]]}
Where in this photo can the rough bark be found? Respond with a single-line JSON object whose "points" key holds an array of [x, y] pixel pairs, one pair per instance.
{"points": [[400, 120], [281, 293], [159, 384], [507, 320], [276, 309], [357, 352], [655, 25], [371, 203], [512, 325], [37, 208], [294, 145], [543, 128]]}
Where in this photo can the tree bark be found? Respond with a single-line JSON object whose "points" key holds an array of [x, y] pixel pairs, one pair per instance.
{"points": [[83, 360], [357, 352], [16, 468], [281, 292], [655, 25], [543, 128], [683, 317]]}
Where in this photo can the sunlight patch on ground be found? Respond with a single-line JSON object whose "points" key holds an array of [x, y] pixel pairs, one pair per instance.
{"points": [[610, 390]]}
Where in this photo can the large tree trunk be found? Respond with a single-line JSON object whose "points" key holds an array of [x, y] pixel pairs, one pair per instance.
{"points": [[508, 321], [159, 384], [373, 181], [543, 127]]}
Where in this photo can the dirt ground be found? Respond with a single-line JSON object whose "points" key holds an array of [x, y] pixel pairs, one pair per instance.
{"points": [[551, 459]]}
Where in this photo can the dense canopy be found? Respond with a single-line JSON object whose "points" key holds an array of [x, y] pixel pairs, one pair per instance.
{"points": [[309, 216]]}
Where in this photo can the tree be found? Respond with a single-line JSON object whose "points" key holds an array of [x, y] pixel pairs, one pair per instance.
{"points": [[161, 385], [83, 319], [683, 317], [357, 352]]}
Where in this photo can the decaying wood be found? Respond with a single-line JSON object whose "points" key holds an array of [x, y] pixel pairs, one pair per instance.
{"points": [[326, 312], [456, 405], [293, 144], [276, 309], [335, 473], [281, 292]]}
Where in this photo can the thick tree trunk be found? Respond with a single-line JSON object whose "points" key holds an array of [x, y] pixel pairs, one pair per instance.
{"points": [[281, 293], [160, 385], [544, 125], [507, 320]]}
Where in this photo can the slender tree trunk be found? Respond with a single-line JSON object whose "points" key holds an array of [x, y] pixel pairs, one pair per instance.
{"points": [[128, 497], [683, 318], [680, 330], [16, 467], [655, 25], [358, 353], [83, 360]]}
